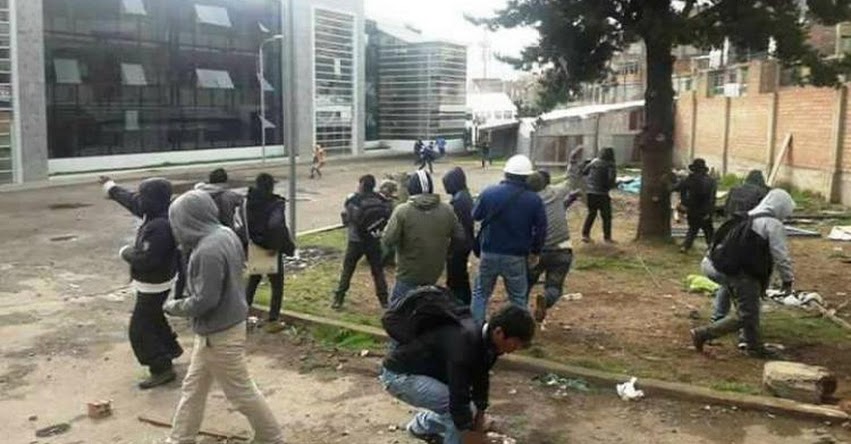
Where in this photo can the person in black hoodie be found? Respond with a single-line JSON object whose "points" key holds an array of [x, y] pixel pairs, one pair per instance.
{"points": [[600, 178], [697, 193], [153, 259], [446, 372], [267, 228], [457, 275]]}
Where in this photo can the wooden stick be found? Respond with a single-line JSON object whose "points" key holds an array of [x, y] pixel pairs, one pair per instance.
{"points": [[203, 432], [776, 168], [647, 269], [836, 319]]}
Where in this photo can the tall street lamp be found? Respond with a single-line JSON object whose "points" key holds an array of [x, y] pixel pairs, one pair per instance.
{"points": [[261, 77]]}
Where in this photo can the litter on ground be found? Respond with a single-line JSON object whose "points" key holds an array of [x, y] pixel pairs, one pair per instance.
{"points": [[796, 299], [696, 283], [628, 392], [840, 233], [562, 384]]}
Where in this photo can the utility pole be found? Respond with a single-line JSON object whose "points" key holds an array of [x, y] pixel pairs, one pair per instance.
{"points": [[288, 96]]}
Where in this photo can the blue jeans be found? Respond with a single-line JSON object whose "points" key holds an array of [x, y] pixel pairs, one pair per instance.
{"points": [[513, 272], [425, 393], [722, 301], [400, 290]]}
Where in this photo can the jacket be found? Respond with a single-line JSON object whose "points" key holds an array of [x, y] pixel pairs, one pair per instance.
{"points": [[228, 202], [267, 221], [555, 204], [153, 257], [516, 231], [697, 193], [351, 211], [779, 205], [420, 230], [600, 176], [460, 357], [455, 183], [216, 298], [747, 196], [574, 169]]}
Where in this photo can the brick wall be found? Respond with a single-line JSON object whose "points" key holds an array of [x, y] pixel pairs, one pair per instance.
{"points": [[807, 113], [709, 130], [682, 127], [749, 120]]}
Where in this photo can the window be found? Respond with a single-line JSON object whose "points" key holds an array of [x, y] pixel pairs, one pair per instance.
{"points": [[213, 15], [131, 120], [846, 44], [133, 7], [133, 75], [265, 83], [67, 71], [213, 79]]}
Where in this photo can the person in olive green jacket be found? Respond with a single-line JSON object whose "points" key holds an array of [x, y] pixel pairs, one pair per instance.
{"points": [[420, 230]]}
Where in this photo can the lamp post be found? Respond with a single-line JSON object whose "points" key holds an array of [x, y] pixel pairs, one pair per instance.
{"points": [[261, 78]]}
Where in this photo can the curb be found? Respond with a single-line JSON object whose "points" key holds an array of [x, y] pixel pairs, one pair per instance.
{"points": [[651, 387]]}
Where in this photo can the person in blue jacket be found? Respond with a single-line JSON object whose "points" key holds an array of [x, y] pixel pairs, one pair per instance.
{"points": [[513, 228]]}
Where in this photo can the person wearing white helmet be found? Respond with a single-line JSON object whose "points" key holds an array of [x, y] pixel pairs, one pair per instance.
{"points": [[513, 225]]}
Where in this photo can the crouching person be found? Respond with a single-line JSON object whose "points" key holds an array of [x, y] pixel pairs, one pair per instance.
{"points": [[217, 306], [444, 369]]}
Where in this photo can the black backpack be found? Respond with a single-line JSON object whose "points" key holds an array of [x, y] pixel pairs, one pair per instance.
{"points": [[422, 310], [738, 249], [372, 216]]}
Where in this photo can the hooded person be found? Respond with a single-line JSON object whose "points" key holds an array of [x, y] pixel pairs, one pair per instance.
{"points": [[513, 226], [697, 194], [266, 221], [600, 178], [217, 308], [457, 275], [228, 202], [420, 231], [574, 169], [153, 260], [746, 196], [769, 251], [557, 252]]}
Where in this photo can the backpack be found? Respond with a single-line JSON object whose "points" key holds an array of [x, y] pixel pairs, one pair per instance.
{"points": [[271, 237], [422, 310], [372, 216], [738, 249]]}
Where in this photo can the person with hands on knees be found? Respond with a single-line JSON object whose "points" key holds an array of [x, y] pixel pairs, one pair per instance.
{"points": [[217, 307], [741, 258], [445, 371], [153, 260]]}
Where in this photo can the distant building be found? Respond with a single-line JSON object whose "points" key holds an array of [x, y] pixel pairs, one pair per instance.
{"points": [[490, 107], [416, 86]]}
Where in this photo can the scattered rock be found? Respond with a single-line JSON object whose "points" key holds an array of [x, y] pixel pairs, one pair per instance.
{"points": [[32, 418], [56, 429], [364, 353]]}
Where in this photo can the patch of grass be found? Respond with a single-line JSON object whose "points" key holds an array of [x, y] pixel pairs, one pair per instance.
{"points": [[589, 263], [793, 328], [342, 338], [728, 181], [602, 364], [735, 387], [334, 239]]}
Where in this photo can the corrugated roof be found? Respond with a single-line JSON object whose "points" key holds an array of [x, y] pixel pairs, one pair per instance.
{"points": [[583, 112]]}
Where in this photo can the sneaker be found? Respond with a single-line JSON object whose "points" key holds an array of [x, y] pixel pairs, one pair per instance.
{"points": [[761, 352], [338, 302], [697, 340], [430, 438], [609, 241], [586, 239], [158, 379], [540, 308]]}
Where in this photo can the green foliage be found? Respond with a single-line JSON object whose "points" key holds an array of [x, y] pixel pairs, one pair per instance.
{"points": [[335, 239], [788, 327], [728, 181], [342, 338], [735, 387]]}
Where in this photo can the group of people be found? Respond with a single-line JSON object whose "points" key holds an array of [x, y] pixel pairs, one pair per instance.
{"points": [[742, 254], [198, 244], [425, 155]]}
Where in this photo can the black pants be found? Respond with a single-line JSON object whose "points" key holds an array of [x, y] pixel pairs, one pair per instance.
{"points": [[354, 252], [154, 342], [427, 161], [458, 277], [601, 203], [696, 223], [554, 265], [276, 280], [746, 291]]}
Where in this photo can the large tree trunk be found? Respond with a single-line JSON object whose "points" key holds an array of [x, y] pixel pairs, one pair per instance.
{"points": [[656, 141]]}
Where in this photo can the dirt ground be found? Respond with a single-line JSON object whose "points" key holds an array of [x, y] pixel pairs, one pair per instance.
{"points": [[64, 311]]}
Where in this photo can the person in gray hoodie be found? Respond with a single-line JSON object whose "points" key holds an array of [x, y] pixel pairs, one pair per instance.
{"points": [[217, 306], [748, 286], [557, 254]]}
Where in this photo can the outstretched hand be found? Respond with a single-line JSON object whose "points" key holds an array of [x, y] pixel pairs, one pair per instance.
{"points": [[103, 179]]}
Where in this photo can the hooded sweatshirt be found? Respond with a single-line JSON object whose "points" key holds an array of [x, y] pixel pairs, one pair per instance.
{"points": [[153, 257], [554, 198], [420, 230], [747, 196], [228, 202], [574, 168], [601, 174], [267, 221], [455, 183], [216, 299], [779, 205]]}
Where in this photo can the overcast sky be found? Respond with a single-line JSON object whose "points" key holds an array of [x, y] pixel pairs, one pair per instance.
{"points": [[445, 19]]}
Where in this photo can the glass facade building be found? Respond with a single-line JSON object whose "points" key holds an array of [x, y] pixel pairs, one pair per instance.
{"points": [[140, 76], [334, 37], [6, 113], [421, 84]]}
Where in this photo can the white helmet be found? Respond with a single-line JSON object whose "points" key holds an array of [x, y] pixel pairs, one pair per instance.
{"points": [[519, 165]]}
